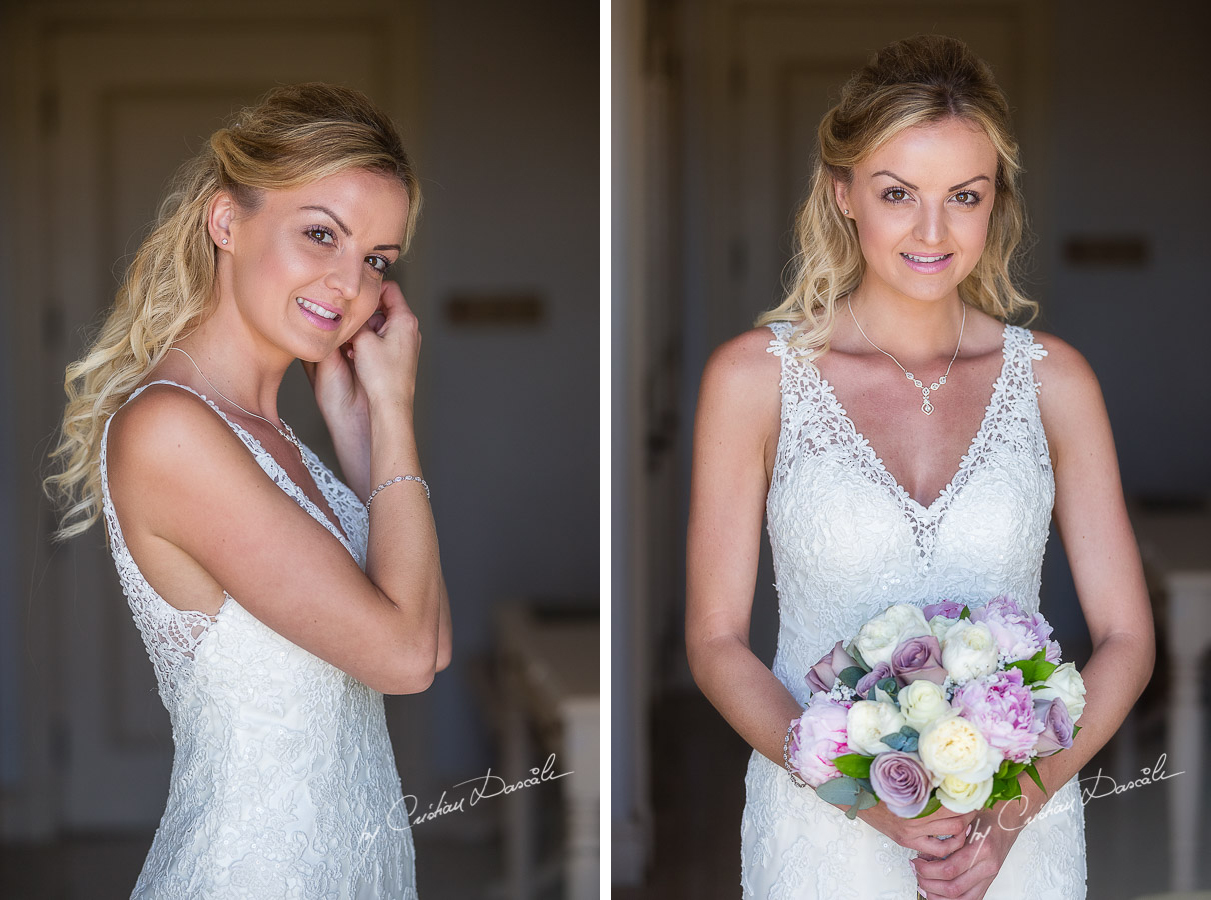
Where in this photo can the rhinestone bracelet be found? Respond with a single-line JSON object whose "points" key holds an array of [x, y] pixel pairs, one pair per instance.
{"points": [[796, 778], [394, 480]]}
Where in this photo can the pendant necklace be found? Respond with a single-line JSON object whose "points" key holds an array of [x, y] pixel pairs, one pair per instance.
{"points": [[926, 405], [288, 434]]}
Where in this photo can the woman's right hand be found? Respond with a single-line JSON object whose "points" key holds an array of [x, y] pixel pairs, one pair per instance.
{"points": [[922, 834], [384, 352]]}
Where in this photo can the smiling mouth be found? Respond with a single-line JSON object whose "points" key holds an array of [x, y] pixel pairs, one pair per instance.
{"points": [[316, 308], [927, 259]]}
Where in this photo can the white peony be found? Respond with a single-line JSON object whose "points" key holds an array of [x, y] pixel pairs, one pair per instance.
{"points": [[879, 637], [1067, 684], [867, 722], [939, 625], [954, 746], [922, 702], [963, 796], [969, 651]]}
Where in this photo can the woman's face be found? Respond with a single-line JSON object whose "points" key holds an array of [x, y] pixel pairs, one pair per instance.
{"points": [[921, 204], [307, 266]]}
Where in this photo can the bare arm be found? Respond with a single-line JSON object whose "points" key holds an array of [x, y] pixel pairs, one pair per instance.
{"points": [[184, 478], [1091, 516]]}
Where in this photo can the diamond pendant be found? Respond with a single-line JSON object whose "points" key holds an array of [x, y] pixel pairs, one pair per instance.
{"points": [[926, 406]]}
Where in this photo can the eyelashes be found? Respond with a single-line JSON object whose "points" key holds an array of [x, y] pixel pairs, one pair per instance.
{"points": [[323, 235], [897, 195]]}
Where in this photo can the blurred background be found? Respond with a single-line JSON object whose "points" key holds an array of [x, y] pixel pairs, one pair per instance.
{"points": [[715, 106], [498, 104]]}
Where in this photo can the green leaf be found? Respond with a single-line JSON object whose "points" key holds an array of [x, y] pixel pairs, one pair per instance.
{"points": [[931, 807], [1043, 670], [1075, 729], [1034, 774], [850, 675], [866, 786], [857, 655], [838, 791], [854, 764], [889, 685], [965, 613], [866, 800]]}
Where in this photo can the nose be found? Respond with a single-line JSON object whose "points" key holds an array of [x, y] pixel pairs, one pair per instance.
{"points": [[931, 227], [345, 276]]}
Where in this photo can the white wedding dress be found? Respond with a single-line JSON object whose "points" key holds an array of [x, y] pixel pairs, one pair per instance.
{"points": [[847, 542], [283, 780]]}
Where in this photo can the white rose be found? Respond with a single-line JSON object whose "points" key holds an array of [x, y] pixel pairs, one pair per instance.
{"points": [[879, 637], [939, 625], [867, 722], [1067, 684], [954, 746], [922, 702], [963, 796], [969, 651]]}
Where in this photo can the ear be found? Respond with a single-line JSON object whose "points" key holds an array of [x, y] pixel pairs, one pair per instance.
{"points": [[218, 219], [841, 193]]}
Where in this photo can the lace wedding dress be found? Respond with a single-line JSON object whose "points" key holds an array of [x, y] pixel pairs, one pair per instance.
{"points": [[283, 780], [847, 542]]}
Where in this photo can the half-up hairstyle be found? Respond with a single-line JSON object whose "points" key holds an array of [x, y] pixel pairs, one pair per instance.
{"points": [[919, 81], [295, 135]]}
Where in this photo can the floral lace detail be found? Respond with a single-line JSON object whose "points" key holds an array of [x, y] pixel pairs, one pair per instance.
{"points": [[283, 779], [847, 541]]}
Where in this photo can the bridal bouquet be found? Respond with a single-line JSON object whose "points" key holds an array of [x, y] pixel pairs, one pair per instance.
{"points": [[944, 706]]}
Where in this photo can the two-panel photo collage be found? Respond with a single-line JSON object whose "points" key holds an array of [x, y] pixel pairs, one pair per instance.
{"points": [[645, 449]]}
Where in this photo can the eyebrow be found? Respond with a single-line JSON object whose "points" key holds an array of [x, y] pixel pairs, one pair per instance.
{"points": [[906, 183], [345, 228]]}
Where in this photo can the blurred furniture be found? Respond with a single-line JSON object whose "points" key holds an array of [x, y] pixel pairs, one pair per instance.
{"points": [[550, 688], [1176, 548]]}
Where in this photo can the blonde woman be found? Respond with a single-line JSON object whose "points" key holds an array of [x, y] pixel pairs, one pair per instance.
{"points": [[277, 604], [907, 445]]}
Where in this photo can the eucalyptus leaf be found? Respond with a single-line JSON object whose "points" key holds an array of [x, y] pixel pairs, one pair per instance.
{"points": [[850, 675], [841, 791], [866, 800]]}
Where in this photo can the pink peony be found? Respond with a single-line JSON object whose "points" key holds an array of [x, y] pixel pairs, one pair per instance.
{"points": [[822, 675], [948, 608], [1016, 634], [1000, 705], [818, 738]]}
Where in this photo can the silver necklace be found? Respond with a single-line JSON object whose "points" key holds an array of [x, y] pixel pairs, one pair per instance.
{"points": [[288, 434], [926, 405]]}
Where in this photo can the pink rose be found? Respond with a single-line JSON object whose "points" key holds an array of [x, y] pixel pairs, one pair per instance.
{"points": [[822, 675], [817, 738], [919, 657]]}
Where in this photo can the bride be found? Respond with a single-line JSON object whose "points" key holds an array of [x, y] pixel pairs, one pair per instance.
{"points": [[848, 419], [276, 603]]}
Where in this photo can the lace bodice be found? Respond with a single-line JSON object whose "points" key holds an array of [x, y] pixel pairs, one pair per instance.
{"points": [[848, 541], [283, 780]]}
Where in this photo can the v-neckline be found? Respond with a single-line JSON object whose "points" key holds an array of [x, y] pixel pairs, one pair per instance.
{"points": [[883, 476]]}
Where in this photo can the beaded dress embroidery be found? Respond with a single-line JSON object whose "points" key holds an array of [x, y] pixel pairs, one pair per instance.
{"points": [[847, 542], [283, 779]]}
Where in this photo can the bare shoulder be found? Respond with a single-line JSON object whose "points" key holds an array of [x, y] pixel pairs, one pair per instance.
{"points": [[743, 366], [1070, 398], [163, 427]]}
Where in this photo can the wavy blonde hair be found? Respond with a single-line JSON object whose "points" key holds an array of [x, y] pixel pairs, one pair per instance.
{"points": [[295, 135], [918, 81]]}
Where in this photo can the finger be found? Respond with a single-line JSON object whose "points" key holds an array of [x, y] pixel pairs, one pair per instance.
{"points": [[391, 300]]}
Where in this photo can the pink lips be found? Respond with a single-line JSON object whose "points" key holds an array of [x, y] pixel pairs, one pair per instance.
{"points": [[928, 268], [319, 321]]}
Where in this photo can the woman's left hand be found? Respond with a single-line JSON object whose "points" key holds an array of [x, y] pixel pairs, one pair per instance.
{"points": [[969, 871]]}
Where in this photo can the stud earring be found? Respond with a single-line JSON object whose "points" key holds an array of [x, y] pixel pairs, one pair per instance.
{"points": [[225, 239], [846, 211]]}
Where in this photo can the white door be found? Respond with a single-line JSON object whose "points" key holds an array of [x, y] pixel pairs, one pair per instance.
{"points": [[123, 104]]}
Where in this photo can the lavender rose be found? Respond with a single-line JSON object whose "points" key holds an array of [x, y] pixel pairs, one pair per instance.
{"points": [[918, 658], [1001, 707], [1057, 726], [871, 678], [900, 781], [822, 675], [948, 608], [817, 738]]}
